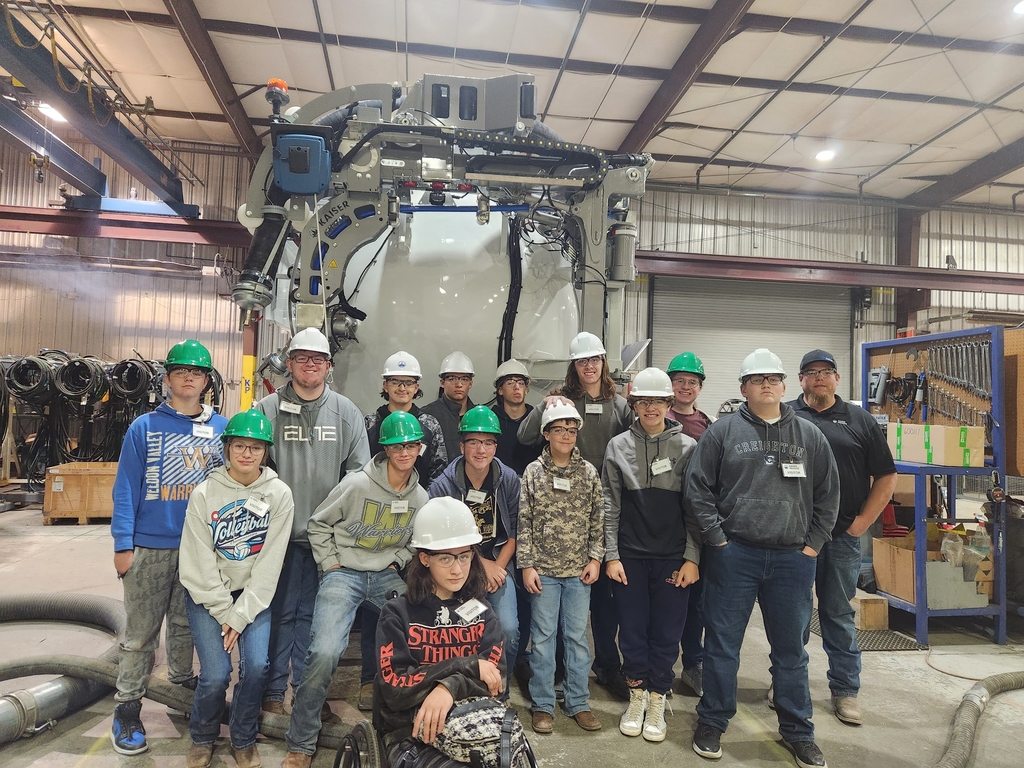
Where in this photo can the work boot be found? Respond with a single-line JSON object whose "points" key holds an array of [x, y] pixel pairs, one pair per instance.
{"points": [[296, 760], [587, 721], [613, 682], [694, 678], [847, 709], [247, 758], [655, 726], [274, 707], [707, 741], [366, 697], [327, 716], [806, 753], [127, 733], [632, 721], [543, 722], [199, 756]]}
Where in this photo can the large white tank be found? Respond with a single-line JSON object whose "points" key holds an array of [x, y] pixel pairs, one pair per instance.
{"points": [[440, 284]]}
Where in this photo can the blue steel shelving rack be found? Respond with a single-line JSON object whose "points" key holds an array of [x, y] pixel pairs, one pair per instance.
{"points": [[997, 608]]}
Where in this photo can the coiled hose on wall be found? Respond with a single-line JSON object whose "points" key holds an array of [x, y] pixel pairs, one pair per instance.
{"points": [[965, 721]]}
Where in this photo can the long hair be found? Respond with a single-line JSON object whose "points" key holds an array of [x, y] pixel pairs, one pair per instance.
{"points": [[573, 387], [419, 585]]}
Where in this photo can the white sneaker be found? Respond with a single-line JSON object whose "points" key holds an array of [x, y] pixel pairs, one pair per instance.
{"points": [[655, 727], [632, 721]]}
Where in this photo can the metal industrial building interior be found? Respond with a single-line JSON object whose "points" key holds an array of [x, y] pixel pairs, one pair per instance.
{"points": [[495, 177]]}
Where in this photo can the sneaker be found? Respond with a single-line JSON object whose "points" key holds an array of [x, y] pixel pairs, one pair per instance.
{"points": [[707, 741], [847, 709], [366, 697], [771, 697], [632, 721], [247, 758], [199, 757], [189, 683], [806, 753], [274, 707], [127, 733], [655, 726], [694, 678]]}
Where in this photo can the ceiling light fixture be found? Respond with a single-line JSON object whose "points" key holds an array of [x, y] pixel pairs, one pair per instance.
{"points": [[52, 113], [1019, 8], [825, 156]]}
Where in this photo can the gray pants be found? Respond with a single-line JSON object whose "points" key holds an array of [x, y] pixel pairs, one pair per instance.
{"points": [[151, 591]]}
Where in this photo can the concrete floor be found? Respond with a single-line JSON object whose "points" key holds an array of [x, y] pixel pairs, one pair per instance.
{"points": [[908, 697]]}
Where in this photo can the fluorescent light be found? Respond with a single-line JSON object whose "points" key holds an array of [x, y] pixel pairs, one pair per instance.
{"points": [[52, 113], [825, 155], [1019, 8]]}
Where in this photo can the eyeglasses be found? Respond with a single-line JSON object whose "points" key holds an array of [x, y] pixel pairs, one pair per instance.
{"points": [[589, 362], [571, 431], [681, 382], [446, 560], [303, 359], [403, 448], [252, 450], [184, 373], [649, 402], [514, 382], [821, 373], [457, 379], [473, 442], [401, 383], [772, 379]]}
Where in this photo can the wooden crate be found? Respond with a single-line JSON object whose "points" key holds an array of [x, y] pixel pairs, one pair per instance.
{"points": [[872, 611], [79, 491]]}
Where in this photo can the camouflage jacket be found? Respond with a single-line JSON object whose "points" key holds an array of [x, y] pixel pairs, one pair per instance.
{"points": [[560, 531]]}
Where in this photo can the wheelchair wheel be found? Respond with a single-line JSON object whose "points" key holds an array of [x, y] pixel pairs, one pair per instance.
{"points": [[526, 758], [360, 749]]}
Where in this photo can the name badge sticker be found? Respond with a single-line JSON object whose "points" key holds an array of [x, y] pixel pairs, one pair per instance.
{"points": [[660, 466], [290, 407], [470, 609], [793, 470], [202, 430], [594, 408], [476, 497], [399, 507], [562, 484], [258, 507]]}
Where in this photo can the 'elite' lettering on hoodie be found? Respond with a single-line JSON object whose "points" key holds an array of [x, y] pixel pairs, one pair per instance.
{"points": [[296, 433], [381, 528]]}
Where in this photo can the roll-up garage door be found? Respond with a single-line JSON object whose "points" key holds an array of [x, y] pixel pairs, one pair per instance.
{"points": [[722, 321]]}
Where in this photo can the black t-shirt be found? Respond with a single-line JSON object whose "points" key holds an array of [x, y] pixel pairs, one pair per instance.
{"points": [[510, 451], [860, 450], [484, 512]]}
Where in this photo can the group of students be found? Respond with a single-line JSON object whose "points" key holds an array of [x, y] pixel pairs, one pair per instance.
{"points": [[607, 505]]}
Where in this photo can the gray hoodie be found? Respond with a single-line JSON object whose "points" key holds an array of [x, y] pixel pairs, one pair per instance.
{"points": [[231, 544], [313, 449], [355, 527], [598, 428], [735, 484]]}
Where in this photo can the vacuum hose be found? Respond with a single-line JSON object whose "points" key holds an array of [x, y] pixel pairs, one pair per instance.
{"points": [[961, 742]]}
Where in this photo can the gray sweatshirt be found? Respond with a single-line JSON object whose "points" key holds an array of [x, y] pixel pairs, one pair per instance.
{"points": [[735, 484], [355, 526], [234, 539], [313, 449], [598, 428]]}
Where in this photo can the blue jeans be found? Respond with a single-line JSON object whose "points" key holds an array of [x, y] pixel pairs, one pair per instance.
{"points": [[215, 676], [651, 616], [341, 592], [503, 603], [562, 602], [292, 616], [836, 585], [735, 575]]}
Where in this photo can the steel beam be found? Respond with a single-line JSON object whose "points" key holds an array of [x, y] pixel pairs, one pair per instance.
{"points": [[193, 31], [977, 174], [35, 68], [123, 226], [24, 133], [720, 21], [674, 263]]}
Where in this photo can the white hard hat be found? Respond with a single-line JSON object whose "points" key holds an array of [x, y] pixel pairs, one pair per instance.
{"points": [[585, 345], [560, 411], [761, 361], [651, 382], [310, 340], [401, 364], [511, 368], [444, 523], [457, 362]]}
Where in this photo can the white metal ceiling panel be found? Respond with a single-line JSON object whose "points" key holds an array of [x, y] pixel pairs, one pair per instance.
{"points": [[580, 95], [353, 66], [627, 98], [823, 10], [789, 111], [978, 19], [488, 25], [674, 173], [435, 22], [717, 105], [383, 19], [844, 62], [686, 141], [605, 135], [606, 38], [660, 43], [899, 122], [570, 129], [544, 31], [771, 55], [249, 11]]}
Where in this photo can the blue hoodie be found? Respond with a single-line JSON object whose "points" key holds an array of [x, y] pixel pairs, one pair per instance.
{"points": [[161, 462], [452, 482]]}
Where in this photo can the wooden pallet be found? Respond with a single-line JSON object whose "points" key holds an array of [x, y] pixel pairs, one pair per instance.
{"points": [[66, 520]]}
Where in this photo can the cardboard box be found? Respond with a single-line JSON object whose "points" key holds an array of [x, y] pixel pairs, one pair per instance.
{"points": [[80, 490], [954, 446], [906, 442], [894, 574], [904, 493]]}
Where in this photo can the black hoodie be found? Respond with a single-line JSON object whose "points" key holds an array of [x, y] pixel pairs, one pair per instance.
{"points": [[735, 485]]}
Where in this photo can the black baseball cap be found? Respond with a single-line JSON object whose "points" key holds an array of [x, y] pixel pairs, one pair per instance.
{"points": [[817, 356]]}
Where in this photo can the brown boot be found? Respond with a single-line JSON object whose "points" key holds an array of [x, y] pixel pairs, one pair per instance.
{"points": [[543, 722], [366, 697], [274, 707], [587, 721], [297, 760], [199, 757], [247, 758]]}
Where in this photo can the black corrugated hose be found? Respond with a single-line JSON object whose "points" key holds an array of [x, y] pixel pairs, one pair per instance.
{"points": [[965, 721]]}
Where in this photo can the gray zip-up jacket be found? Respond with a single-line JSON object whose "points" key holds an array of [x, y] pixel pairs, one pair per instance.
{"points": [[453, 482], [644, 516], [598, 428], [736, 488], [313, 449], [356, 528]]}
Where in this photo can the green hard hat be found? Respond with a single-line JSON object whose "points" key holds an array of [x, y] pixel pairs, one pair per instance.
{"points": [[480, 419], [249, 424], [686, 363], [189, 352], [400, 427]]}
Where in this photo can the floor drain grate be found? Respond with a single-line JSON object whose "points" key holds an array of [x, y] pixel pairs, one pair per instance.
{"points": [[876, 639]]}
